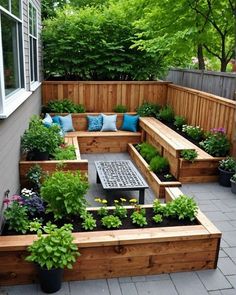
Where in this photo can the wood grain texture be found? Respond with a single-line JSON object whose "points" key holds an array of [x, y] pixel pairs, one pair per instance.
{"points": [[153, 181]]}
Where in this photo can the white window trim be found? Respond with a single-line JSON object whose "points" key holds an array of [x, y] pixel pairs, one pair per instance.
{"points": [[33, 83]]}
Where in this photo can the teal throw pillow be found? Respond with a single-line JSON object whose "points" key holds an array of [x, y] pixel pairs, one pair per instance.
{"points": [[56, 120], [94, 123], [109, 123], [130, 123], [47, 121], [66, 123]]}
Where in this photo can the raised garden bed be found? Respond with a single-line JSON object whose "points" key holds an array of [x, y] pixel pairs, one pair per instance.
{"points": [[154, 182], [129, 252]]}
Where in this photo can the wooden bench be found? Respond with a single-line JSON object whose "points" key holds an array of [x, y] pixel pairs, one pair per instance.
{"points": [[171, 144], [101, 142], [170, 140]]}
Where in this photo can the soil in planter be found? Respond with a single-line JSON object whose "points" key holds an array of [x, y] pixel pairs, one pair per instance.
{"points": [[126, 222]]}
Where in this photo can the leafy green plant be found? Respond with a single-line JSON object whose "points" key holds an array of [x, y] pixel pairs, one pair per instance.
{"points": [[64, 152], [228, 164], [158, 208], [166, 114], [35, 175], [64, 193], [89, 223], [41, 138], [120, 108], [159, 164], [233, 178], [189, 155], [147, 151], [111, 221], [168, 176], [194, 132], [148, 109], [216, 144], [55, 249], [102, 211], [63, 106], [138, 217], [158, 218], [179, 122], [16, 214], [120, 210], [182, 207]]}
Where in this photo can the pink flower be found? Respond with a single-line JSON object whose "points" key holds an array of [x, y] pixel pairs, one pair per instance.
{"points": [[6, 201]]}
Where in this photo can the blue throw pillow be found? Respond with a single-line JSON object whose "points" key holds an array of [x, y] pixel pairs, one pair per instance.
{"points": [[56, 120], [47, 121], [66, 123], [130, 123], [109, 123], [94, 123]]}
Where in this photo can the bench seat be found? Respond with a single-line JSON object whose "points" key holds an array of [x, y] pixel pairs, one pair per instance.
{"points": [[170, 140], [101, 142]]}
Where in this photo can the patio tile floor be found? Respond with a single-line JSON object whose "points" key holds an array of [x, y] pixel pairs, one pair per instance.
{"points": [[217, 202]]}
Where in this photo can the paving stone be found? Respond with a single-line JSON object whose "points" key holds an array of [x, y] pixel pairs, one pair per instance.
{"points": [[222, 206], [230, 238], [157, 277], [3, 292], [89, 287], [233, 222], [231, 215], [128, 289], [227, 266], [213, 279], [223, 243], [205, 196], [114, 287], [232, 280], [214, 293], [222, 254], [224, 225], [209, 208], [151, 288], [230, 251], [125, 280], [23, 290], [138, 279], [228, 292], [186, 282], [217, 216]]}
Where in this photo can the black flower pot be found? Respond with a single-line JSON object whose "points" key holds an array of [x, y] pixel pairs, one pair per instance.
{"points": [[50, 280], [36, 155], [224, 177], [233, 186]]}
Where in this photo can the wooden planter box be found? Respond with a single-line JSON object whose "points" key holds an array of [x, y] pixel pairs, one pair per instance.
{"points": [[154, 182], [118, 253]]}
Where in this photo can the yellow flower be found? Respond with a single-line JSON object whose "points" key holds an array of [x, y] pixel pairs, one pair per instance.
{"points": [[133, 201], [123, 200], [97, 200], [104, 201], [116, 201]]}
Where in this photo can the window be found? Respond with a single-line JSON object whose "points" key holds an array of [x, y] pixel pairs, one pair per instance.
{"points": [[33, 43]]}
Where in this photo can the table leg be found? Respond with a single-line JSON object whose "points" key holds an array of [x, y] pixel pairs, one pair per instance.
{"points": [[141, 196], [98, 179]]}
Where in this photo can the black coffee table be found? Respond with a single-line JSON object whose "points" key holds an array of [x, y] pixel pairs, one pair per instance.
{"points": [[120, 175]]}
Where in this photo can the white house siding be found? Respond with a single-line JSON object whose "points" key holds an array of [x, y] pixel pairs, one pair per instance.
{"points": [[14, 126]]}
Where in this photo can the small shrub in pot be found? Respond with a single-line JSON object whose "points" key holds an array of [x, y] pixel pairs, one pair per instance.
{"points": [[233, 183], [227, 168]]}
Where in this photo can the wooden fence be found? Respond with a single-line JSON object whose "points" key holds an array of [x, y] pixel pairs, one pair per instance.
{"points": [[203, 109], [104, 96], [218, 83], [200, 108]]}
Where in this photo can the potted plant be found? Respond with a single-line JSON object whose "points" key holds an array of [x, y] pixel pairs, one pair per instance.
{"points": [[227, 168], [40, 141], [233, 183], [52, 253]]}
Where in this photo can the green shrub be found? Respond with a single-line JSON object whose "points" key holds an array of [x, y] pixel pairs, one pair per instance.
{"points": [[195, 132], [216, 144], [158, 218], [228, 164], [159, 164], [189, 155], [64, 193], [89, 223], [63, 106], [120, 108], [148, 109], [158, 208], [166, 114], [65, 153], [147, 151], [54, 250], [38, 137], [111, 221], [139, 217], [179, 122], [182, 207]]}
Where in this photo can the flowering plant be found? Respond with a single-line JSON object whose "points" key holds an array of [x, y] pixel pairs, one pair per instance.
{"points": [[195, 132], [216, 144], [228, 164], [103, 211], [120, 210]]}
